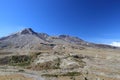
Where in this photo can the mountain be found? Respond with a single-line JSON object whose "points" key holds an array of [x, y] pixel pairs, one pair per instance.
{"points": [[29, 39], [61, 57]]}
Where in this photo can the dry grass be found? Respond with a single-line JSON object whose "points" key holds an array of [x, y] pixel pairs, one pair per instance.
{"points": [[98, 61], [14, 77]]}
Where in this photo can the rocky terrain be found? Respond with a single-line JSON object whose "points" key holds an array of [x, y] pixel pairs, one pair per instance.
{"points": [[28, 55]]}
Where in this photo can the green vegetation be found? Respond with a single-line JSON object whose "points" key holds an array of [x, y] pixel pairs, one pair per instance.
{"points": [[66, 74], [72, 74], [21, 60], [50, 75], [21, 70]]}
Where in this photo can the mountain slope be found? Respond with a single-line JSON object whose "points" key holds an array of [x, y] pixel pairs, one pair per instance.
{"points": [[61, 57], [28, 39], [23, 39]]}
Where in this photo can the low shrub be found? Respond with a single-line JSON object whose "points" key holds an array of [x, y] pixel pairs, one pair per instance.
{"points": [[20, 60], [65, 74]]}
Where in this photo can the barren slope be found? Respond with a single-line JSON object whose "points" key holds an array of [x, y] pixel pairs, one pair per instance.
{"points": [[44, 57]]}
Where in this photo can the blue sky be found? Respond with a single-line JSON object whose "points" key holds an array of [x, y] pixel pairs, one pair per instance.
{"points": [[92, 20]]}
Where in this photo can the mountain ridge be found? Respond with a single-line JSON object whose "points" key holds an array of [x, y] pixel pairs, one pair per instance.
{"points": [[27, 38]]}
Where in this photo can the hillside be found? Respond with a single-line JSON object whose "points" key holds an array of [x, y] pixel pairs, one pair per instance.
{"points": [[39, 56]]}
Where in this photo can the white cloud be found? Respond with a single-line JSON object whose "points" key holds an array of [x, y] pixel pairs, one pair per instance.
{"points": [[115, 44]]}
